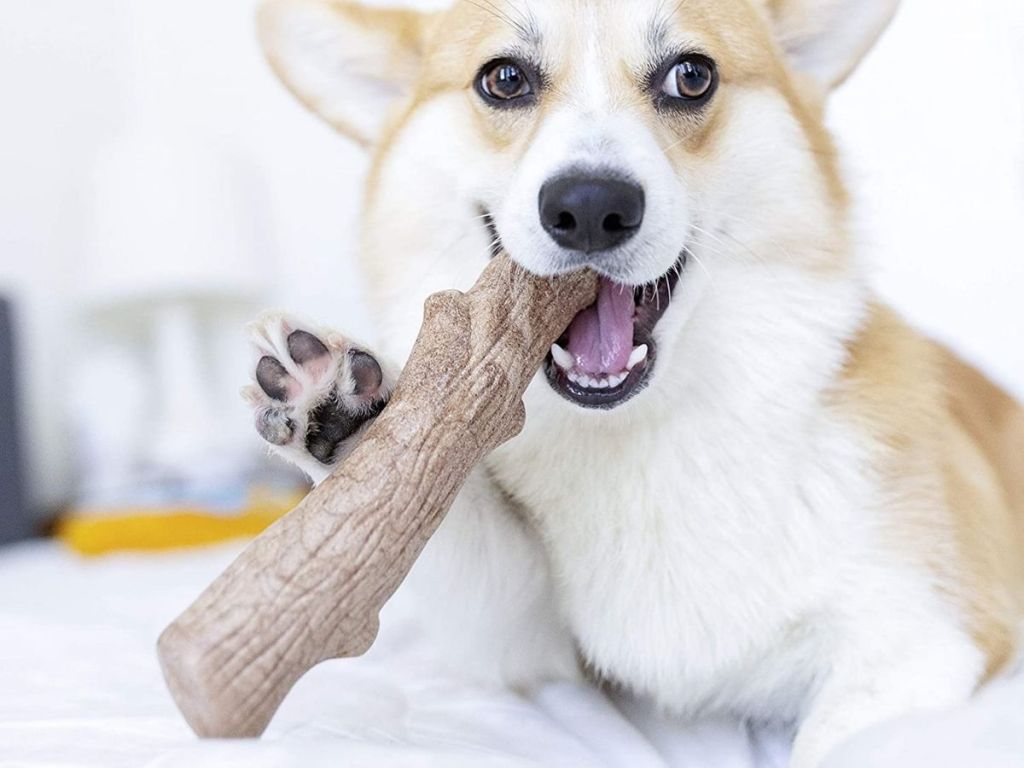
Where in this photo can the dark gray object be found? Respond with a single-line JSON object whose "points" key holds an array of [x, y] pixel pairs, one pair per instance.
{"points": [[15, 523]]}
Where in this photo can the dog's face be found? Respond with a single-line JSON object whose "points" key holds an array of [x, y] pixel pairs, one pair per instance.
{"points": [[660, 143]]}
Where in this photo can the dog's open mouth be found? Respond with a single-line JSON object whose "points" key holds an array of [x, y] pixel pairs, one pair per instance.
{"points": [[607, 354]]}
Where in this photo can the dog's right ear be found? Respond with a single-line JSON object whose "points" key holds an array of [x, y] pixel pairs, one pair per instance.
{"points": [[349, 63]]}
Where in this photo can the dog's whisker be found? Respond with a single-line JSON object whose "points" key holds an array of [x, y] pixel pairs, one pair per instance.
{"points": [[771, 240], [704, 269], [725, 250]]}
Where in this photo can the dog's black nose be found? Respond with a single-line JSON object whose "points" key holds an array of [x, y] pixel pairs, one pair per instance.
{"points": [[591, 213]]}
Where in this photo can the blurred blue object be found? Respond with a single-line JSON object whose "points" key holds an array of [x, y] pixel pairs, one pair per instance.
{"points": [[15, 523]]}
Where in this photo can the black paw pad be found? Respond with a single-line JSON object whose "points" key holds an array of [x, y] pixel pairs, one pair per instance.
{"points": [[304, 347], [329, 426], [273, 379], [274, 426], [366, 372]]}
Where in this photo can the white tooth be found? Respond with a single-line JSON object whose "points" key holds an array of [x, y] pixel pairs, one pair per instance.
{"points": [[638, 356], [573, 377], [616, 380], [562, 358], [604, 384], [585, 381]]}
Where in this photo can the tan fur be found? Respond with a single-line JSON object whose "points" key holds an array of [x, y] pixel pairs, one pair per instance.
{"points": [[743, 54], [951, 452]]}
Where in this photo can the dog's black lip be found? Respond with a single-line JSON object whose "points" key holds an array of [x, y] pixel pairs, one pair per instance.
{"points": [[604, 399], [649, 313]]}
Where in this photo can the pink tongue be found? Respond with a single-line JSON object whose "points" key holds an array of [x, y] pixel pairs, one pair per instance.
{"points": [[601, 336]]}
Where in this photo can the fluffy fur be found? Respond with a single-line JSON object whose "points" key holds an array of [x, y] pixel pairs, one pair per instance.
{"points": [[812, 513]]}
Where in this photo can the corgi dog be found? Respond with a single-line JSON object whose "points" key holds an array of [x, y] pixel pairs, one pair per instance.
{"points": [[745, 486]]}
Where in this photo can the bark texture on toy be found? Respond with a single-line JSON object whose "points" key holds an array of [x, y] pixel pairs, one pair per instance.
{"points": [[311, 587]]}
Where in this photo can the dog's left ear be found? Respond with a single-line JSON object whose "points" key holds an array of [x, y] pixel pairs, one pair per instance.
{"points": [[826, 39]]}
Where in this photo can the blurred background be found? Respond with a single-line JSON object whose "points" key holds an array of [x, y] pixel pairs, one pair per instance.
{"points": [[158, 188]]}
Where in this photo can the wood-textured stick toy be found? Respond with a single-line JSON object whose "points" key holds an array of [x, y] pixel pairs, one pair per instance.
{"points": [[311, 587]]}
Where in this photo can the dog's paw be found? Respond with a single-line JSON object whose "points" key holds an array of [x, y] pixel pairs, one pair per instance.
{"points": [[312, 391]]}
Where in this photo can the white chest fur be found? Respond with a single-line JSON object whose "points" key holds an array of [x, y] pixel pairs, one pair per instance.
{"points": [[695, 536]]}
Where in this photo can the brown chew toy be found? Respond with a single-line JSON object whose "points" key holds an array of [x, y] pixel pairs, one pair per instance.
{"points": [[311, 587]]}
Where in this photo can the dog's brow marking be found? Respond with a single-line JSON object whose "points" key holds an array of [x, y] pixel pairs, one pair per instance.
{"points": [[658, 31], [525, 27], [661, 24], [496, 13], [530, 29]]}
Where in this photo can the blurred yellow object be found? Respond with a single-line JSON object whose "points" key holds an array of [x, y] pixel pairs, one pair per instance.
{"points": [[155, 530]]}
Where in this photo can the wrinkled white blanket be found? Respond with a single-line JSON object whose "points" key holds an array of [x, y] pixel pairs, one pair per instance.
{"points": [[80, 686]]}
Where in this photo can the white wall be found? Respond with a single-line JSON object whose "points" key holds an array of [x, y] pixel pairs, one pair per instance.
{"points": [[70, 81], [933, 132], [59, 93], [932, 129]]}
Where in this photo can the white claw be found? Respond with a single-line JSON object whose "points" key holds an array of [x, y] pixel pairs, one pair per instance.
{"points": [[562, 358], [638, 356]]}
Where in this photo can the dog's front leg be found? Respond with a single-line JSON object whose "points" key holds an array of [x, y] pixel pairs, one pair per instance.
{"points": [[483, 586], [882, 679]]}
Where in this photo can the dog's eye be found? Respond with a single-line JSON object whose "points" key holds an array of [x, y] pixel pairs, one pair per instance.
{"points": [[692, 79], [504, 81]]}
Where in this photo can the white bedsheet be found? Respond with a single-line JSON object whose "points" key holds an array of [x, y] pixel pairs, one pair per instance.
{"points": [[80, 686]]}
